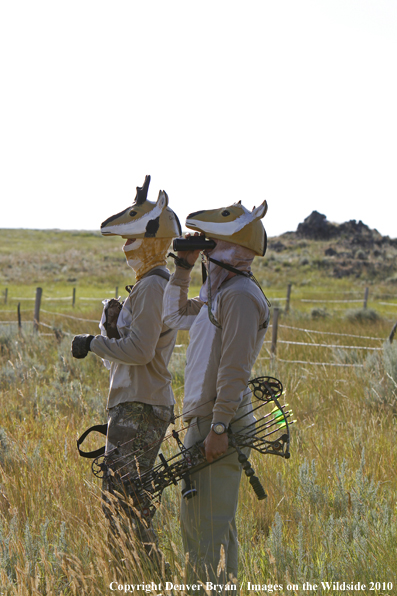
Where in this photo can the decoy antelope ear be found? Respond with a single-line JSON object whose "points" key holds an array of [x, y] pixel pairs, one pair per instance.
{"points": [[162, 200], [259, 212]]}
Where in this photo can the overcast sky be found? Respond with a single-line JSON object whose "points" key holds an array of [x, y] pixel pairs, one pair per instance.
{"points": [[292, 101]]}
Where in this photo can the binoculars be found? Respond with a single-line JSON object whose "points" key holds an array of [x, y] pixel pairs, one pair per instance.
{"points": [[193, 243]]}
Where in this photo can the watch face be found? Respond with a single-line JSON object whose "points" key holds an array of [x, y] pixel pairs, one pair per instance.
{"points": [[219, 428]]}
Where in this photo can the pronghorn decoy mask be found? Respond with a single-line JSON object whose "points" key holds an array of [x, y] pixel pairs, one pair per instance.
{"points": [[234, 224], [144, 219]]}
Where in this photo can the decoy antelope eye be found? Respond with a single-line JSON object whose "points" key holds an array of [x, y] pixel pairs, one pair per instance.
{"points": [[132, 213], [225, 213]]}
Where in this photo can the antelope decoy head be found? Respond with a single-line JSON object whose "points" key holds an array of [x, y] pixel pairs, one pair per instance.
{"points": [[234, 224], [144, 219]]}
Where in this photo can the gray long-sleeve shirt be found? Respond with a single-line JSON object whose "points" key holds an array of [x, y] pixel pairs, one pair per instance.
{"points": [[139, 359], [218, 361]]}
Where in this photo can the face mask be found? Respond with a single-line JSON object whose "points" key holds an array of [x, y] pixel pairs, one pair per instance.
{"points": [[132, 254], [145, 254], [237, 256]]}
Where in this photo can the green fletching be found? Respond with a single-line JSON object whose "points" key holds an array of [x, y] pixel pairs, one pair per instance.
{"points": [[278, 414]]}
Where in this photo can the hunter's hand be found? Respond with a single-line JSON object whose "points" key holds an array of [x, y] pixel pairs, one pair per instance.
{"points": [[190, 256], [81, 345], [215, 445]]}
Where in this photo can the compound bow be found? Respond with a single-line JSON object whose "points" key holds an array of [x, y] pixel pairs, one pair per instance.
{"points": [[268, 433]]}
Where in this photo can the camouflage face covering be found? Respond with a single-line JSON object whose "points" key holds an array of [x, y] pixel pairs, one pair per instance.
{"points": [[237, 256], [138, 429], [144, 254]]}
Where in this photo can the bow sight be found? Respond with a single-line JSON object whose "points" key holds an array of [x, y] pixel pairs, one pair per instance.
{"points": [[267, 433]]}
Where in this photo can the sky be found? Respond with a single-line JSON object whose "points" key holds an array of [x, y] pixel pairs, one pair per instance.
{"points": [[219, 101]]}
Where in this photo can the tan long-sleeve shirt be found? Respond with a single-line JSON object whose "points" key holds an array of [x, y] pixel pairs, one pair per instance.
{"points": [[139, 359], [218, 361]]}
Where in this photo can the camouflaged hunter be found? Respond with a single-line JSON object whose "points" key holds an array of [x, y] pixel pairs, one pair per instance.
{"points": [[227, 323], [136, 347]]}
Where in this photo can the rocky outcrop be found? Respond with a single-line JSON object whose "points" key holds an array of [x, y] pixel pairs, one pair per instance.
{"points": [[351, 249], [317, 227]]}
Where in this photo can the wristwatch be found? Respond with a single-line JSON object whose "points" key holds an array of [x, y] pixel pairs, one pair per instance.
{"points": [[219, 428]]}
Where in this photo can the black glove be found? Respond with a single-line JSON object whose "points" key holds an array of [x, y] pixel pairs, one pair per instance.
{"points": [[81, 345]]}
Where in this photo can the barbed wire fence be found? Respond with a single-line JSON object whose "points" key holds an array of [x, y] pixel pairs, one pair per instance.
{"points": [[274, 326]]}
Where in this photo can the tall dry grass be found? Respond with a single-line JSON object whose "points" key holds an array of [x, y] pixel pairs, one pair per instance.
{"points": [[330, 512]]}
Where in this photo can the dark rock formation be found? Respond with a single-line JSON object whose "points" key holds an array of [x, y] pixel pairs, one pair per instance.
{"points": [[351, 249], [277, 246], [316, 227]]}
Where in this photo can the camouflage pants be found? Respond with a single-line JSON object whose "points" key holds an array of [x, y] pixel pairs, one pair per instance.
{"points": [[136, 430]]}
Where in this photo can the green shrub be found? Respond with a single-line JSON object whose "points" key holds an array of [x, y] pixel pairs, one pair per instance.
{"points": [[380, 372], [363, 315], [319, 313]]}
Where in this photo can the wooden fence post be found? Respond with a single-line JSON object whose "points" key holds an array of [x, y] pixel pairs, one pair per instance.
{"points": [[273, 349], [116, 295], [74, 297], [288, 297], [19, 317], [36, 317], [5, 295], [365, 297]]}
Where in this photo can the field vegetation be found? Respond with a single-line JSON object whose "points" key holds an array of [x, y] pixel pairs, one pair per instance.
{"points": [[330, 514]]}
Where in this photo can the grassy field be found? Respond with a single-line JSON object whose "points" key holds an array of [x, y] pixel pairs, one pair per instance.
{"points": [[330, 515]]}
